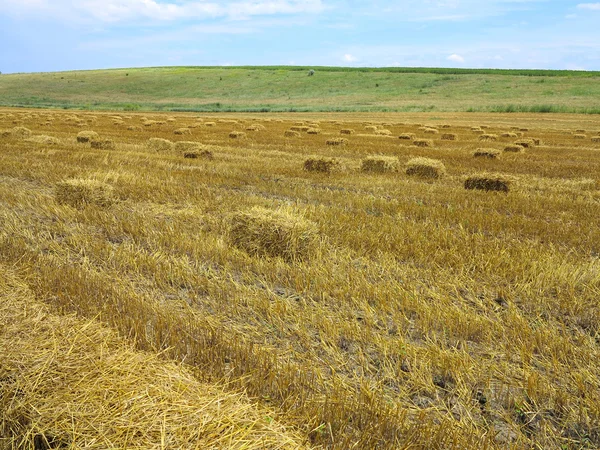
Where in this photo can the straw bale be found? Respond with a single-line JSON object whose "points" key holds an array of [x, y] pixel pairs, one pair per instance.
{"points": [[149, 123], [488, 137], [383, 132], [527, 143], [430, 131], [336, 141], [487, 183], [490, 153], [183, 146], [449, 137], [313, 131], [275, 233], [79, 193], [379, 164], [514, 148], [159, 144], [43, 139], [595, 138], [475, 128], [509, 134], [182, 131], [536, 141], [237, 135], [346, 131], [407, 136], [21, 132], [104, 144], [68, 382], [478, 131], [86, 136], [371, 127], [198, 153], [445, 125], [134, 128], [579, 136], [319, 164], [523, 129], [425, 167], [255, 127], [291, 133], [302, 128], [423, 142], [209, 124]]}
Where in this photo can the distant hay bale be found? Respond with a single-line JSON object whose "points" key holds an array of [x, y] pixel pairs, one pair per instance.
{"points": [[103, 144], [523, 129], [274, 233], [336, 141], [301, 128], [514, 148], [87, 136], [579, 136], [527, 143], [313, 131], [255, 127], [346, 131], [159, 144], [291, 133], [475, 128], [183, 146], [379, 164], [371, 127], [407, 136], [490, 153], [209, 124], [237, 135], [134, 128], [425, 167], [182, 131], [445, 125], [321, 165], [487, 183], [198, 154], [449, 137], [430, 131], [43, 139], [423, 142], [484, 127], [595, 138], [479, 131], [149, 123], [79, 193], [383, 132], [580, 131], [228, 121], [488, 137], [21, 132], [508, 135]]}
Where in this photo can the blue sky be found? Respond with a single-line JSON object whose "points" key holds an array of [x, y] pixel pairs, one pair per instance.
{"points": [[53, 35]]}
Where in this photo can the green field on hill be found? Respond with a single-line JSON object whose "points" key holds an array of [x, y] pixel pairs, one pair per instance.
{"points": [[279, 88]]}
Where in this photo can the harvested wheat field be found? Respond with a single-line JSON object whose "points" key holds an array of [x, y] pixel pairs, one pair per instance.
{"points": [[261, 299]]}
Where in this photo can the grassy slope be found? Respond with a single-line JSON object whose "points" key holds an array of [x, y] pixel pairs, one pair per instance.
{"points": [[289, 89]]}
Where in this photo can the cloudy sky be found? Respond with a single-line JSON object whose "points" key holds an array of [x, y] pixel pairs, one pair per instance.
{"points": [[52, 35]]}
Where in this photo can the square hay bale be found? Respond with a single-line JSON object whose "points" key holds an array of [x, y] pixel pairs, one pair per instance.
{"points": [[423, 142], [449, 137], [478, 131], [523, 129], [134, 128], [313, 131], [83, 137], [346, 131], [183, 146], [321, 165], [371, 127], [595, 138], [579, 136], [490, 153], [255, 127], [237, 135], [514, 148], [487, 183], [379, 164], [527, 143], [425, 167], [159, 145], [103, 144], [488, 137], [336, 141], [475, 128], [445, 125], [79, 193], [509, 134], [580, 131], [431, 131], [291, 133], [210, 124], [407, 136], [182, 131], [301, 128], [383, 132], [198, 154], [282, 233]]}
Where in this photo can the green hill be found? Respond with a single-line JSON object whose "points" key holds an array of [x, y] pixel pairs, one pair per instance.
{"points": [[283, 88]]}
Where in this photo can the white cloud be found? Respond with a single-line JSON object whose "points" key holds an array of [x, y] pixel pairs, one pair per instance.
{"points": [[456, 58], [589, 6], [350, 58]]}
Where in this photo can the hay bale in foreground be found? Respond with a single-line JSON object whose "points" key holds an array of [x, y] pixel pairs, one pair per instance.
{"points": [[379, 164], [425, 167], [514, 148], [83, 137], [423, 142], [336, 141], [103, 144], [321, 165], [275, 233], [490, 153], [71, 382], [79, 193], [159, 145], [487, 183]]}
